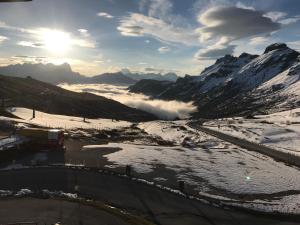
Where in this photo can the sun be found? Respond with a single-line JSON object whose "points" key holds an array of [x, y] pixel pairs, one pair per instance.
{"points": [[55, 41]]}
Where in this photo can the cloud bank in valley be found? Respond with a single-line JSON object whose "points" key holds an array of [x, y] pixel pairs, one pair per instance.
{"points": [[167, 110]]}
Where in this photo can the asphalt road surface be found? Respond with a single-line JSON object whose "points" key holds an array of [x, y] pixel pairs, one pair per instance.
{"points": [[277, 155], [51, 211], [158, 206]]}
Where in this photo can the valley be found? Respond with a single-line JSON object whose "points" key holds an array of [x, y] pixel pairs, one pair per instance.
{"points": [[143, 112]]}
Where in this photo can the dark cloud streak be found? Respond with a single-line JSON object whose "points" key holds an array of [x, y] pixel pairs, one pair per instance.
{"points": [[235, 22]]}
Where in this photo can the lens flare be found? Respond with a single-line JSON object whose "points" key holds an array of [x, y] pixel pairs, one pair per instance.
{"points": [[55, 41]]}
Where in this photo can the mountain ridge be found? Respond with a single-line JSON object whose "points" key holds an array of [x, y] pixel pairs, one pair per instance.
{"points": [[56, 74], [248, 84]]}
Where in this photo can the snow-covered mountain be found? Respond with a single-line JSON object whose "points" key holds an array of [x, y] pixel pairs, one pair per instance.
{"points": [[242, 85]]}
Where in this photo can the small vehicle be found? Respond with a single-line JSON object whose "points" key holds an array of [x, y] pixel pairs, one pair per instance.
{"points": [[46, 138]]}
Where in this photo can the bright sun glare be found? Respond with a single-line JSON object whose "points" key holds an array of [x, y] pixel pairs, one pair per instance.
{"points": [[56, 41]]}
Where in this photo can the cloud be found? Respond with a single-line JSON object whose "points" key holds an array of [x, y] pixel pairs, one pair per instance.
{"points": [[164, 49], [234, 23], [3, 38], [84, 32], [281, 17], [243, 6], [20, 59], [30, 44], [105, 15], [214, 52], [157, 70], [84, 43], [261, 40], [131, 30], [167, 110], [150, 69], [289, 20], [160, 8], [140, 25], [224, 24], [275, 16], [28, 59], [99, 61], [156, 8], [295, 45], [40, 36], [36, 37], [160, 23]]}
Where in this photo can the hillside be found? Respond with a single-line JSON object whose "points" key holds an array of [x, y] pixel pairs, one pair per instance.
{"points": [[30, 93], [244, 85], [150, 87]]}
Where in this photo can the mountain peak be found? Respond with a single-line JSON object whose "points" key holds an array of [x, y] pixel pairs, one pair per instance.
{"points": [[225, 59], [247, 55], [275, 46], [64, 66]]}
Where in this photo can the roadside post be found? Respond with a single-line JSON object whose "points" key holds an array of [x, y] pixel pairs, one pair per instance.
{"points": [[128, 170], [181, 185]]}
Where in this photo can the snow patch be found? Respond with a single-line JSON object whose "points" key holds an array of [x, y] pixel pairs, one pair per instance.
{"points": [[66, 122]]}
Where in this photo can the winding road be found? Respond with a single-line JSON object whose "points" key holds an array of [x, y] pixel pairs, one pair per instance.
{"points": [[156, 205], [251, 146]]}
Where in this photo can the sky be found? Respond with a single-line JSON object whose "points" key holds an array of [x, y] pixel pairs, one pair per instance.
{"points": [[97, 36]]}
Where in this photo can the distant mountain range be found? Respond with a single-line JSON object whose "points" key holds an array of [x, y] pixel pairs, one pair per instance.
{"points": [[244, 85], [151, 76], [56, 74], [44, 72]]}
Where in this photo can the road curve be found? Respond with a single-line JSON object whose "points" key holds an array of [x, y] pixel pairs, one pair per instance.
{"points": [[251, 146], [156, 205]]}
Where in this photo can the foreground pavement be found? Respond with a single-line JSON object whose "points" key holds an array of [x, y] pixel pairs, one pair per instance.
{"points": [[158, 206], [51, 211]]}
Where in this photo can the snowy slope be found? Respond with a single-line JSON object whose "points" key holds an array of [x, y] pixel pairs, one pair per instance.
{"points": [[222, 71], [265, 67], [65, 122], [176, 132], [223, 167], [285, 83]]}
